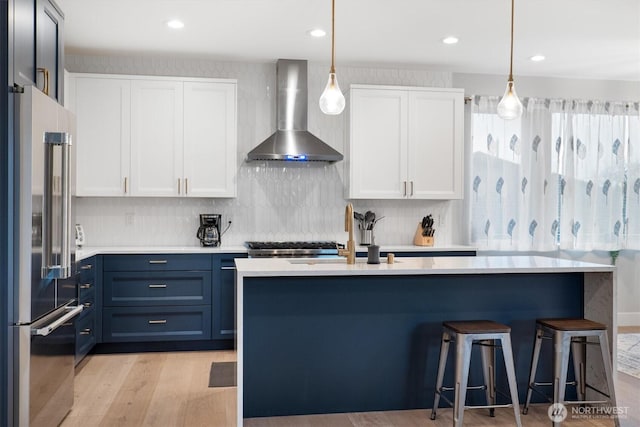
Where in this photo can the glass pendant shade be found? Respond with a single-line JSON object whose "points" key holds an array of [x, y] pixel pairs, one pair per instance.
{"points": [[510, 106], [332, 99]]}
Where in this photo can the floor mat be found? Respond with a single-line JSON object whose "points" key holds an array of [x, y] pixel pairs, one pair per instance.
{"points": [[629, 354], [222, 374]]}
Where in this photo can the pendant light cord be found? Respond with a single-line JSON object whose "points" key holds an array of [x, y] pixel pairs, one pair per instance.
{"points": [[511, 57], [333, 43]]}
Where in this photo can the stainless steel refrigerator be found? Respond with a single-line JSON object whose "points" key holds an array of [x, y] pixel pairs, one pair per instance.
{"points": [[46, 291]]}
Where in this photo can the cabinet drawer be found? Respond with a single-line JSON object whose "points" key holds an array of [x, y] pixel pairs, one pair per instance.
{"points": [[158, 262], [162, 288], [87, 269], [86, 290], [125, 324], [85, 333], [89, 301]]}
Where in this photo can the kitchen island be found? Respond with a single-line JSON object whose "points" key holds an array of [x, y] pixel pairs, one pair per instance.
{"points": [[321, 336]]}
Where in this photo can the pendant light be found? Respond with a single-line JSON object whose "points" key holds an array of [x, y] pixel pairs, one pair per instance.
{"points": [[332, 99], [510, 106]]}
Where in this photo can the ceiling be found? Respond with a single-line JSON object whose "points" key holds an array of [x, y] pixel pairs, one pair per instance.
{"points": [[592, 39]]}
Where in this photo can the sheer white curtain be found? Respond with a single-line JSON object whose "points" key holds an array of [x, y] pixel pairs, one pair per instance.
{"points": [[566, 173], [594, 139], [632, 205], [514, 178]]}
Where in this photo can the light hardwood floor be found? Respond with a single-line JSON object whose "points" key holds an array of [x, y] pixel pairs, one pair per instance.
{"points": [[171, 389]]}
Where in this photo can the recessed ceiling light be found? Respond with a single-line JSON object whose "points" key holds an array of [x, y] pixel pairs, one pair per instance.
{"points": [[176, 24], [317, 32], [450, 40], [537, 58]]}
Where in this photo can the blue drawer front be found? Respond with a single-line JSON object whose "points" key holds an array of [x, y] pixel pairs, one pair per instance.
{"points": [[135, 324], [159, 262], [86, 289], [161, 288], [85, 333]]}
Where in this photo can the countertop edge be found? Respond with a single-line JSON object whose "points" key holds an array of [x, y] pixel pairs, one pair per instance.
{"points": [[417, 266], [87, 252]]}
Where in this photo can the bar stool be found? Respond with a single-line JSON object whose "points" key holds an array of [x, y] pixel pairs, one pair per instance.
{"points": [[570, 335], [465, 334]]}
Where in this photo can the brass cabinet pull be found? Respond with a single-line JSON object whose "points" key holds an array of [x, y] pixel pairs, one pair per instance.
{"points": [[86, 331], [157, 261], [157, 286], [45, 74], [86, 267], [86, 286], [125, 185], [157, 322], [179, 185]]}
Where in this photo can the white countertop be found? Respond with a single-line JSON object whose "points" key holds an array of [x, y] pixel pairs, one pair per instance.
{"points": [[275, 267], [414, 248], [87, 252]]}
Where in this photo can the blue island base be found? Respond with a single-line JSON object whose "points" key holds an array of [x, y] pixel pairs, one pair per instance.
{"points": [[351, 344]]}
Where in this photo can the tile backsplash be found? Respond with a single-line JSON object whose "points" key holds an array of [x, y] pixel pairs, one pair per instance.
{"points": [[276, 201]]}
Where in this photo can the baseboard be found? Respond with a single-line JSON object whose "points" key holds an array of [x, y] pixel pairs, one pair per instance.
{"points": [[629, 318]]}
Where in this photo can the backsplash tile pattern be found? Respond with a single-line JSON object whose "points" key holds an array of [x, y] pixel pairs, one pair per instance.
{"points": [[276, 201]]}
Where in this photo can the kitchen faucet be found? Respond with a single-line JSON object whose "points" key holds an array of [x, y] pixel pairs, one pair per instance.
{"points": [[350, 251]]}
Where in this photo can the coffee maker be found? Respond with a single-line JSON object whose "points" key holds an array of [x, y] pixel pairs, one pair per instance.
{"points": [[209, 230]]}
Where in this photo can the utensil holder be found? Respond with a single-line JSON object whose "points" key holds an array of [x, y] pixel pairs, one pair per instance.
{"points": [[366, 237], [420, 240]]}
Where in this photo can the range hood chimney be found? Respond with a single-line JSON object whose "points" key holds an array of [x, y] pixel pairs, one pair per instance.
{"points": [[292, 141]]}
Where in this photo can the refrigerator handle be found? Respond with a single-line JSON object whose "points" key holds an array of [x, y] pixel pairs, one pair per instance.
{"points": [[65, 262], [49, 269], [72, 312]]}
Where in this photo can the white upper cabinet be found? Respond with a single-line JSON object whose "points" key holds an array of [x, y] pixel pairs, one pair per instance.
{"points": [[155, 136], [405, 142], [103, 113], [210, 148]]}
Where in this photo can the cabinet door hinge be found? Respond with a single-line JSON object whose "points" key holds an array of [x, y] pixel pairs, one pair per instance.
{"points": [[16, 88]]}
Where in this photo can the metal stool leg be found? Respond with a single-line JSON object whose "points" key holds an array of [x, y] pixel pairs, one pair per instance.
{"points": [[442, 363], [534, 367], [561, 346], [489, 371], [578, 351], [463, 359], [606, 361], [511, 376]]}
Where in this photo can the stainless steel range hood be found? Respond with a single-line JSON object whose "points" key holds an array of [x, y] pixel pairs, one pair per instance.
{"points": [[292, 141]]}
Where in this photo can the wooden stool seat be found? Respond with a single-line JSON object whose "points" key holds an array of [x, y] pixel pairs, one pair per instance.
{"points": [[572, 324], [477, 327]]}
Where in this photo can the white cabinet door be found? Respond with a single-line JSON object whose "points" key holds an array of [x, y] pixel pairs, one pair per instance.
{"points": [[435, 144], [405, 142], [102, 107], [156, 137], [377, 143], [210, 139]]}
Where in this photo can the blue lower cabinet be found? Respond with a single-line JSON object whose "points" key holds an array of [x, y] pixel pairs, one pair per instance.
{"points": [[87, 327], [157, 262], [85, 333], [224, 296], [145, 324], [155, 298], [167, 288]]}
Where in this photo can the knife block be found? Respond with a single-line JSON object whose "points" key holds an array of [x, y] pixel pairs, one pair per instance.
{"points": [[420, 240]]}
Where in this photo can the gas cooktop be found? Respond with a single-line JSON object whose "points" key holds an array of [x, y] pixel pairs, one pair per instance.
{"points": [[293, 249]]}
